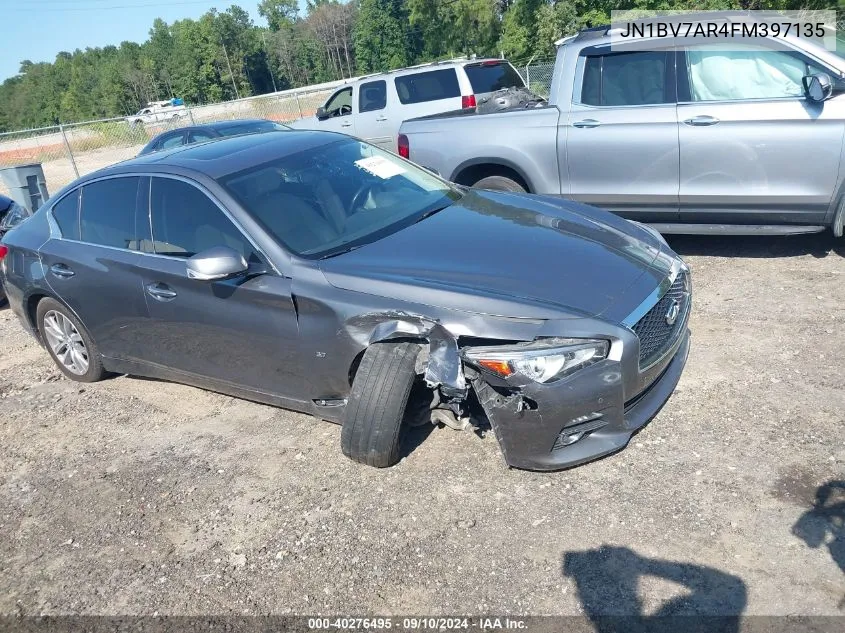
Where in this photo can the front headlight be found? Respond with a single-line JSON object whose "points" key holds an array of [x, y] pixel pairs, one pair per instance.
{"points": [[543, 360]]}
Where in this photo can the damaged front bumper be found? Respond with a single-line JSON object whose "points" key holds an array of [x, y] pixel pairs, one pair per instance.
{"points": [[584, 417]]}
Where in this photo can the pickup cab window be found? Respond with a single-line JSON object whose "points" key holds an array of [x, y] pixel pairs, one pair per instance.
{"points": [[627, 79]]}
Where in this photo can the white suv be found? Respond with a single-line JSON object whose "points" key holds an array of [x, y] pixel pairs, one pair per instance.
{"points": [[373, 107]]}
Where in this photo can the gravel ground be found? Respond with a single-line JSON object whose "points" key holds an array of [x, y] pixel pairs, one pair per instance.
{"points": [[136, 496]]}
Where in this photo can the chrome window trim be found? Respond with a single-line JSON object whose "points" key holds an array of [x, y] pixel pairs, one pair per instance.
{"points": [[55, 231], [678, 266]]}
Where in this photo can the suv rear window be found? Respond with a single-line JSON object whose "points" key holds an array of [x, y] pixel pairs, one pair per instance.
{"points": [[428, 86], [492, 76]]}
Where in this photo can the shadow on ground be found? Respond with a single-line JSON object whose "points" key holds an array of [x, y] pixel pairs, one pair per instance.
{"points": [[608, 583], [824, 523], [817, 245]]}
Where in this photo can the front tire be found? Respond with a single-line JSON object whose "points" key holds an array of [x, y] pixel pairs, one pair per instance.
{"points": [[373, 422], [68, 342], [499, 183]]}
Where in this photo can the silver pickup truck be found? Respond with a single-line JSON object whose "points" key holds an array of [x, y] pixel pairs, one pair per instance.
{"points": [[690, 139]]}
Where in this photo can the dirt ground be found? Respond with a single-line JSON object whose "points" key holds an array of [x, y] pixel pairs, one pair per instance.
{"points": [[135, 496]]}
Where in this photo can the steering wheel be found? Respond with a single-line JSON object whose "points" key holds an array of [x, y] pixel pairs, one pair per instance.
{"points": [[345, 109], [360, 196]]}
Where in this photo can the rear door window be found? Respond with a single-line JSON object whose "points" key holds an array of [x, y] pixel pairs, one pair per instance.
{"points": [[626, 79], [428, 86], [66, 214], [372, 96], [492, 76], [107, 214]]}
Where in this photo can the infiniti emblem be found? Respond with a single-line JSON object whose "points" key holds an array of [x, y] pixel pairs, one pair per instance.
{"points": [[673, 312]]}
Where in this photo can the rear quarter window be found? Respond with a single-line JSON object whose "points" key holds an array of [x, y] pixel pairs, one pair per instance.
{"points": [[428, 86], [66, 214], [489, 77]]}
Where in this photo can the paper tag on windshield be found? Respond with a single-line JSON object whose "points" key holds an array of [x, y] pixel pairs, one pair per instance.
{"points": [[380, 166]]}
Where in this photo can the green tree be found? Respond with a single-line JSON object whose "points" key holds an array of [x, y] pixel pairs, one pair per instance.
{"points": [[382, 36]]}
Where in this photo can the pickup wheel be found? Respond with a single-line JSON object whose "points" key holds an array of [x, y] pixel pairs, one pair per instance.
{"points": [[499, 183], [373, 422]]}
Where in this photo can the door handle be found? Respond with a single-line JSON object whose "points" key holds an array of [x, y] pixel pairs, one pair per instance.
{"points": [[587, 123], [701, 120], [381, 118], [60, 270], [161, 292], [346, 124]]}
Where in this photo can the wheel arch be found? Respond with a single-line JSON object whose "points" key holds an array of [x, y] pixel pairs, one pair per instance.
{"points": [[477, 168]]}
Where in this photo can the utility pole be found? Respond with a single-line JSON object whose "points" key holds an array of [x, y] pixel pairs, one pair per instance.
{"points": [[231, 75]]}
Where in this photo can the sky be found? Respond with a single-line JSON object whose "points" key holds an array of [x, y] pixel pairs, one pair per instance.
{"points": [[38, 29]]}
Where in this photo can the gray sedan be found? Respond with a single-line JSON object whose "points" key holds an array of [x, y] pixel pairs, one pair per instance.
{"points": [[312, 271]]}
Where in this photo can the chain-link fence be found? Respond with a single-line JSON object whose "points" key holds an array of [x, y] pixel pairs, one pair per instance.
{"points": [[68, 151], [74, 149], [538, 77]]}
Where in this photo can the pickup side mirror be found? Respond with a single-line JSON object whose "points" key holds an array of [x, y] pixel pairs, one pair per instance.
{"points": [[219, 262], [818, 87], [321, 113]]}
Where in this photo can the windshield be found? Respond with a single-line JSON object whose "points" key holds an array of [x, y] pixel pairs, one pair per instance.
{"points": [[492, 76], [251, 127], [329, 199]]}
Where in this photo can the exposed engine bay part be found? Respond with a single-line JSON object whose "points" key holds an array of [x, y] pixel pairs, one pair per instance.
{"points": [[447, 417], [442, 363]]}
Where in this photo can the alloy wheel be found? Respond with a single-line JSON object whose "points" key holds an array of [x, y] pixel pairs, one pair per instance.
{"points": [[66, 342]]}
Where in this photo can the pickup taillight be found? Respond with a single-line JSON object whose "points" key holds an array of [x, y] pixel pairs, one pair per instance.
{"points": [[3, 251], [468, 101], [404, 147]]}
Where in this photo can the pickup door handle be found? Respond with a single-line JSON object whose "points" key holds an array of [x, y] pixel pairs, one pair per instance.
{"points": [[702, 120], [60, 270], [587, 123], [346, 124], [381, 118], [161, 292]]}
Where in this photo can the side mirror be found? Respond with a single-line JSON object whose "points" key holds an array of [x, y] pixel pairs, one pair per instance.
{"points": [[817, 88], [321, 114], [219, 262]]}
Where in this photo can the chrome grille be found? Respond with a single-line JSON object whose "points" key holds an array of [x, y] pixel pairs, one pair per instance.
{"points": [[655, 331]]}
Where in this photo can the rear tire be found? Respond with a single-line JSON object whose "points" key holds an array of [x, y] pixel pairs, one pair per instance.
{"points": [[499, 183], [68, 342], [373, 422]]}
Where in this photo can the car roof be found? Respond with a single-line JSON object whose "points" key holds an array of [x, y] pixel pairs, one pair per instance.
{"points": [[429, 66], [222, 156], [222, 125]]}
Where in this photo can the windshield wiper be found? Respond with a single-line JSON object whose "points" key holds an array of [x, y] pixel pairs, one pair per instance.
{"points": [[341, 251]]}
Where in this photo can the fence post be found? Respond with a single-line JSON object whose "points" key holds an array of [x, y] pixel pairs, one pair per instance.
{"points": [[190, 114], [528, 71], [69, 150], [298, 105]]}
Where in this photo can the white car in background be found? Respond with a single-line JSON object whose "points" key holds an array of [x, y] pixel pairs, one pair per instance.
{"points": [[373, 107], [156, 111]]}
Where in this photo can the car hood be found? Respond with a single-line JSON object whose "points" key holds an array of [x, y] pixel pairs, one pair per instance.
{"points": [[511, 255]]}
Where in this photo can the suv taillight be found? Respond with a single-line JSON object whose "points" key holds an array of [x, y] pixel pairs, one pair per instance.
{"points": [[403, 147], [468, 101], [3, 251]]}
